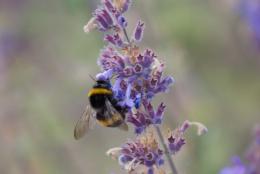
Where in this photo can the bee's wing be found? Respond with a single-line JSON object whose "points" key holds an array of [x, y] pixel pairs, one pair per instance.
{"points": [[111, 111], [85, 123]]}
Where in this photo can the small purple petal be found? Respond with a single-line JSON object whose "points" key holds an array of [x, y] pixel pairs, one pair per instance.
{"points": [[106, 75]]}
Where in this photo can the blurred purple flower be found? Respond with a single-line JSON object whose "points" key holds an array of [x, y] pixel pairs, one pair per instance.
{"points": [[252, 156], [253, 153], [250, 10], [237, 167]]}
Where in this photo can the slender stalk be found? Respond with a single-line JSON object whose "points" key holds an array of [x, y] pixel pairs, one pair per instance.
{"points": [[169, 158], [126, 36]]}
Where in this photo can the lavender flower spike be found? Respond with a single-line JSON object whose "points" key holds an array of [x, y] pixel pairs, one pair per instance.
{"points": [[137, 78]]}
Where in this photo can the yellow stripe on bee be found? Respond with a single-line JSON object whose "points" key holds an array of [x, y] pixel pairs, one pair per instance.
{"points": [[110, 121], [105, 123], [99, 91]]}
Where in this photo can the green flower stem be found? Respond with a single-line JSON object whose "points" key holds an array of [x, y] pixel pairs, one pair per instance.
{"points": [[126, 36], [169, 158]]}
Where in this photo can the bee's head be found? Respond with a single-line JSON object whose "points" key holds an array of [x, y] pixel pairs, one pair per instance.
{"points": [[101, 83]]}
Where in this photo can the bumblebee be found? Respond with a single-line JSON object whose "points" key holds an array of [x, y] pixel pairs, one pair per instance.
{"points": [[103, 109]]}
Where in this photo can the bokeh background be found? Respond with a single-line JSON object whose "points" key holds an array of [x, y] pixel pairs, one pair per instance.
{"points": [[46, 60]]}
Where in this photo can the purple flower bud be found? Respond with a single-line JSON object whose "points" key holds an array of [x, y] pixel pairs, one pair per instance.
{"points": [[122, 21], [138, 32]]}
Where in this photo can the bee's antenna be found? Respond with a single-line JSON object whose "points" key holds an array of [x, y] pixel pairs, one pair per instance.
{"points": [[92, 78]]}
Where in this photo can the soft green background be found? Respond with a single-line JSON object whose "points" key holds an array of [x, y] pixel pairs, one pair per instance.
{"points": [[44, 78]]}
